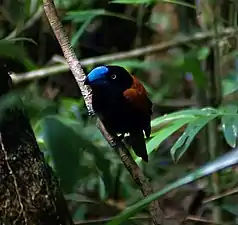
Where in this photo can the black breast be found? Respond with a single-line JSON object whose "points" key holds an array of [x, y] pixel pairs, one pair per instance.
{"points": [[116, 113]]}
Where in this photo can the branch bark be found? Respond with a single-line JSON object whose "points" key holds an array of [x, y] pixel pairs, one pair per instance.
{"points": [[76, 68]]}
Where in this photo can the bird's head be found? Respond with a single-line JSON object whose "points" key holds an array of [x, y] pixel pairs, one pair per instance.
{"points": [[115, 77]]}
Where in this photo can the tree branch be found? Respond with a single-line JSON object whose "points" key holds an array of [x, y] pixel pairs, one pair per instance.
{"points": [[177, 41], [76, 68]]}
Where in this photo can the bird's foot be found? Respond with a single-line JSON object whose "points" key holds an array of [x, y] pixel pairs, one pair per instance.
{"points": [[91, 113], [118, 139]]}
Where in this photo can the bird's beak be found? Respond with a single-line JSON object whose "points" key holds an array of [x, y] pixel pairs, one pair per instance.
{"points": [[86, 81]]}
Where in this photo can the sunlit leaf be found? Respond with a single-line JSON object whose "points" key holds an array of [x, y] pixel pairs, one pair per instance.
{"points": [[183, 114], [229, 86], [102, 188], [182, 144], [227, 160], [162, 134], [203, 53]]}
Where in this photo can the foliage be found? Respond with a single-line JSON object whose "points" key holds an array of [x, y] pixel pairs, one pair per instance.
{"points": [[88, 169]]}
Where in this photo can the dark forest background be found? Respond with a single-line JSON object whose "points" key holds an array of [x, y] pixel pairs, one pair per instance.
{"points": [[184, 52]]}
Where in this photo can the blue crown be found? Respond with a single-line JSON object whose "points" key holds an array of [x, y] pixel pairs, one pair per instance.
{"points": [[97, 73]]}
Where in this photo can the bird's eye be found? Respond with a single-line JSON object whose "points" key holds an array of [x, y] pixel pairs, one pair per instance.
{"points": [[113, 76]]}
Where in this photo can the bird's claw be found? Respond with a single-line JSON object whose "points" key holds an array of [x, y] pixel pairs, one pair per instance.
{"points": [[117, 139], [120, 137], [91, 113]]}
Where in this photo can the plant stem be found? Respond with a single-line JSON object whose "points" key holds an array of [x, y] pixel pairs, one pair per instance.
{"points": [[215, 98]]}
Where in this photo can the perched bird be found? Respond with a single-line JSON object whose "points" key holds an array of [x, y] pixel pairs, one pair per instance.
{"points": [[122, 104]]}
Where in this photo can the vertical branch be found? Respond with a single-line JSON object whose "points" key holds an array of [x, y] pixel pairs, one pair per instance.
{"points": [[213, 96], [201, 91]]}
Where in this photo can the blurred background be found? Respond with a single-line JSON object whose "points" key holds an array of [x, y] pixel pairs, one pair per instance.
{"points": [[184, 52]]}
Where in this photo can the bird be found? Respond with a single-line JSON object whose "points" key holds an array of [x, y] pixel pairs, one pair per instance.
{"points": [[122, 104]]}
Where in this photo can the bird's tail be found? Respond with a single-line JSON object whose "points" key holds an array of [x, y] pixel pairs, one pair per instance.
{"points": [[137, 142]]}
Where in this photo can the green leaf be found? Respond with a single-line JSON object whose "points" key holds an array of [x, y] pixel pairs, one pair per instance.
{"points": [[9, 49], [38, 107], [230, 125], [80, 212], [183, 114], [162, 134], [172, 123], [23, 39], [182, 144], [70, 108], [227, 160], [78, 34], [203, 53], [152, 1], [231, 208], [229, 86], [83, 15], [102, 188], [86, 17], [85, 137], [65, 146], [192, 65], [15, 12]]}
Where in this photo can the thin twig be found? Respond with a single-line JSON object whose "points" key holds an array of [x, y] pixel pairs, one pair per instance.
{"points": [[217, 197], [103, 220], [76, 68], [177, 41]]}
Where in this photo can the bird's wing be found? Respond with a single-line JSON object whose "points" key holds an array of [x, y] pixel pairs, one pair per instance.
{"points": [[137, 96]]}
